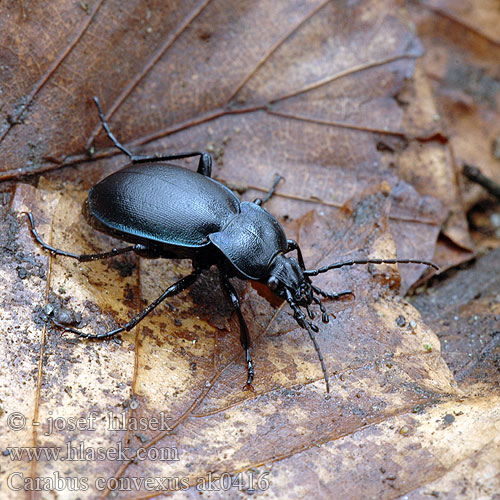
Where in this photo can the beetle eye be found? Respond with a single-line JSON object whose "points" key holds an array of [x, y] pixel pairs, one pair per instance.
{"points": [[272, 283]]}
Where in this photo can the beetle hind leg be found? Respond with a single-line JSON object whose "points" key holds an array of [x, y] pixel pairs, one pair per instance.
{"points": [[79, 257], [110, 134], [204, 165]]}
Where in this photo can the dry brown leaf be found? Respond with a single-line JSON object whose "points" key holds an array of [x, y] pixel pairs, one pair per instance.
{"points": [[184, 361], [465, 311], [309, 90], [461, 60]]}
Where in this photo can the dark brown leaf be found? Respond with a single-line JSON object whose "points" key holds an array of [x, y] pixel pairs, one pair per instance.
{"points": [[297, 97]]}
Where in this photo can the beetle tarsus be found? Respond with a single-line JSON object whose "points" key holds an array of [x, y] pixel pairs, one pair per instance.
{"points": [[110, 134], [248, 387], [250, 367], [90, 336]]}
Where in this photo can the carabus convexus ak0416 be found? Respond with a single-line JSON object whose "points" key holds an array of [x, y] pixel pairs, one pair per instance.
{"points": [[172, 212]]}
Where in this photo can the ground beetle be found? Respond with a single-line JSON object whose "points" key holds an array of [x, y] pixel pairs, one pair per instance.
{"points": [[172, 212]]}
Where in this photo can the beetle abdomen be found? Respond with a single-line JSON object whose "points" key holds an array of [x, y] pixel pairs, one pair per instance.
{"points": [[163, 203]]}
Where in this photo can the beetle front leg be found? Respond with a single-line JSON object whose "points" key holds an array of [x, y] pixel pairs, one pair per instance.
{"points": [[261, 201], [174, 289], [244, 333]]}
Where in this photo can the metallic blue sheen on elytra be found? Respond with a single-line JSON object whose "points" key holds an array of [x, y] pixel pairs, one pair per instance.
{"points": [[163, 203], [178, 207]]}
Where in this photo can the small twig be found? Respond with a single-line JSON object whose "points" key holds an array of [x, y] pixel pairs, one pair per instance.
{"points": [[475, 175]]}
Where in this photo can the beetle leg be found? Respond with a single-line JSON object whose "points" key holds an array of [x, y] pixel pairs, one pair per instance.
{"points": [[204, 166], [261, 201], [105, 125], [293, 245], [82, 257], [174, 289], [244, 333]]}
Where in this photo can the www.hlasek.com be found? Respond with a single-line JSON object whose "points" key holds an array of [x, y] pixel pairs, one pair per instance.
{"points": [[75, 451], [247, 481]]}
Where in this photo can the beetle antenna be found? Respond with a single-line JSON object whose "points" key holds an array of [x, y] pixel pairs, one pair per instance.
{"points": [[331, 295], [302, 321], [337, 265]]}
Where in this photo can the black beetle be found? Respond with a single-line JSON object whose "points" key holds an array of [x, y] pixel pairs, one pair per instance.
{"points": [[172, 212]]}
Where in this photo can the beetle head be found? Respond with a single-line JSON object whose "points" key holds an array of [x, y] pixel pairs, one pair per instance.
{"points": [[285, 274]]}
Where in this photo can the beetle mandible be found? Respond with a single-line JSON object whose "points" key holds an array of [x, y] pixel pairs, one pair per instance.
{"points": [[167, 211]]}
